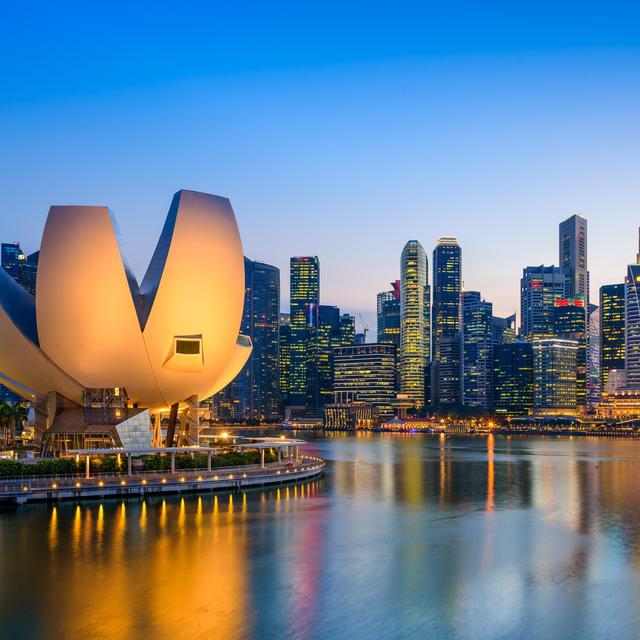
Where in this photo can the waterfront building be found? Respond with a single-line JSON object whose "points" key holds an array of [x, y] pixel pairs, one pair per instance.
{"points": [[348, 414], [513, 379], [540, 287], [503, 330], [447, 284], [621, 404], [569, 323], [554, 376], [171, 342], [573, 256], [305, 299], [329, 337], [414, 321], [347, 330], [612, 330], [367, 372], [254, 394], [477, 351]]}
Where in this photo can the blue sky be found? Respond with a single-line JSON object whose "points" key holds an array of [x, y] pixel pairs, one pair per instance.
{"points": [[337, 129]]}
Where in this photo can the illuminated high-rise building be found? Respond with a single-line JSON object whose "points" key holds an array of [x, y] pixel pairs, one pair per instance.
{"points": [[554, 376], [366, 373], [612, 333], [513, 379], [284, 358], [447, 284], [540, 287], [305, 298], [414, 321], [569, 323], [328, 339], [29, 272], [389, 316], [477, 350], [573, 256], [347, 330], [503, 330], [632, 327], [594, 389], [23, 269], [254, 394], [12, 258]]}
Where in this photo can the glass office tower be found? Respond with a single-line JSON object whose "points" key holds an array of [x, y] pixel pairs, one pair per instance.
{"points": [[447, 284], [612, 332], [414, 321], [540, 287], [569, 323], [477, 351], [513, 379], [305, 298]]}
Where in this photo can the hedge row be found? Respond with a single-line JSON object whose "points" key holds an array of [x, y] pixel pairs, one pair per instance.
{"points": [[57, 467], [162, 462], [108, 464]]}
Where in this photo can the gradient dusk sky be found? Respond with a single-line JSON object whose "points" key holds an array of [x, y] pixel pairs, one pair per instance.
{"points": [[336, 129]]}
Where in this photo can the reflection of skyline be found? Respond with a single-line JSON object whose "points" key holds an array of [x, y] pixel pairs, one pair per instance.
{"points": [[482, 533]]}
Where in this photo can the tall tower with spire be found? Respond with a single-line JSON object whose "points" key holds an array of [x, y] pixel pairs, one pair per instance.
{"points": [[632, 323]]}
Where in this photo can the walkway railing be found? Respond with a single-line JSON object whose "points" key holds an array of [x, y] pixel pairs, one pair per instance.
{"points": [[77, 481]]}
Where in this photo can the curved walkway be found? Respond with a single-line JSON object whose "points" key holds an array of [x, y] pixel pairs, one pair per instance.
{"points": [[46, 488]]}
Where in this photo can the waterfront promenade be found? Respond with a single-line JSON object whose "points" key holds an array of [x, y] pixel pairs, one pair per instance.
{"points": [[290, 466]]}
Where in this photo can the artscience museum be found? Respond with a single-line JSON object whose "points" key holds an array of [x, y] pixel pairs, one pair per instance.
{"points": [[103, 358]]}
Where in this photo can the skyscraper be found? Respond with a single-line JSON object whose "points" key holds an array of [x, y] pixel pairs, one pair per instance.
{"points": [[347, 330], [569, 323], [328, 339], [612, 332], [513, 379], [366, 373], [554, 376], [305, 299], [573, 256], [284, 358], [539, 289], [503, 329], [29, 272], [255, 392], [593, 358], [477, 351], [21, 268], [632, 327], [447, 284], [12, 258], [389, 315], [414, 321]]}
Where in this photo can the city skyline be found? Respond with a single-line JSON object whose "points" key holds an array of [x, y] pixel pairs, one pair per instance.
{"points": [[481, 123]]}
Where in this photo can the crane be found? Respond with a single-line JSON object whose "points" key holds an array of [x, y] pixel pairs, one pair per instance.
{"points": [[365, 327]]}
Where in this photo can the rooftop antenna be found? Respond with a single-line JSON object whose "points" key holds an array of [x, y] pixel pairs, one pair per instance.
{"points": [[638, 254]]}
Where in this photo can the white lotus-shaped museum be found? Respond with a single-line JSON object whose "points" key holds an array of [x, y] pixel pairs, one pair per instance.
{"points": [[173, 337]]}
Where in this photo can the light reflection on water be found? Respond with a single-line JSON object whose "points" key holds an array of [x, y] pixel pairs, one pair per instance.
{"points": [[405, 537]]}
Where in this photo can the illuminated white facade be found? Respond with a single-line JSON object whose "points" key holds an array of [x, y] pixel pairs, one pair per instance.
{"points": [[173, 339]]}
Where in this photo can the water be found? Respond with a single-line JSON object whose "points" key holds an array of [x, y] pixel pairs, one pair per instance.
{"points": [[406, 536]]}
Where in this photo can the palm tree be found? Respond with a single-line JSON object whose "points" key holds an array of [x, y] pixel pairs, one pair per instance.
{"points": [[11, 416], [6, 436]]}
